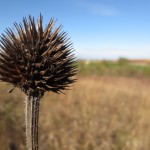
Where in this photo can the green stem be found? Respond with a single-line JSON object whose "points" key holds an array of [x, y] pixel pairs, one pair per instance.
{"points": [[32, 118]]}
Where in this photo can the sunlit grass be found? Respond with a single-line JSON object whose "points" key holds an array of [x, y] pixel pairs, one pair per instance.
{"points": [[99, 113]]}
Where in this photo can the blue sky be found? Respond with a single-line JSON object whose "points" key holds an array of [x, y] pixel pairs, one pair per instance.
{"points": [[99, 29]]}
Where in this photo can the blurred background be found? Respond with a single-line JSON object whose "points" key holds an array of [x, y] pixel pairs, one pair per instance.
{"points": [[108, 107]]}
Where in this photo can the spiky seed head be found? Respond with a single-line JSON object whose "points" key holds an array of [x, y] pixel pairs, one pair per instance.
{"points": [[37, 59]]}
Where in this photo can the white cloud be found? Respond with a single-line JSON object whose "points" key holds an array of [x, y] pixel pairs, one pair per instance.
{"points": [[99, 9], [110, 53]]}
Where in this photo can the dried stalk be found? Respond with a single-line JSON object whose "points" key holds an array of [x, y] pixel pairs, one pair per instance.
{"points": [[31, 118]]}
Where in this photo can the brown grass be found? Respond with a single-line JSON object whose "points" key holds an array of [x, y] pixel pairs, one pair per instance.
{"points": [[99, 113]]}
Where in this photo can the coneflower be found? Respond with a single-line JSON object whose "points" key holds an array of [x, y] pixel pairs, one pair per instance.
{"points": [[36, 60]]}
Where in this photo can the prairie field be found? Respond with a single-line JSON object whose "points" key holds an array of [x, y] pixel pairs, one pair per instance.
{"points": [[108, 108]]}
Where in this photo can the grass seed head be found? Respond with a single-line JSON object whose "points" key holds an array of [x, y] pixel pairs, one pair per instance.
{"points": [[37, 59]]}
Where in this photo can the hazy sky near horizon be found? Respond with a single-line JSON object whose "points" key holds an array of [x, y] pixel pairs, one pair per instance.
{"points": [[101, 29]]}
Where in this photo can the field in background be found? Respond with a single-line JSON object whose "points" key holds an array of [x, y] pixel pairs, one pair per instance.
{"points": [[107, 109], [122, 67]]}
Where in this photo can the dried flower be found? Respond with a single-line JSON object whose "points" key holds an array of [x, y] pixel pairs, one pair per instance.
{"points": [[36, 60]]}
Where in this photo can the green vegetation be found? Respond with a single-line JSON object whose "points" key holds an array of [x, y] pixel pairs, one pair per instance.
{"points": [[122, 67]]}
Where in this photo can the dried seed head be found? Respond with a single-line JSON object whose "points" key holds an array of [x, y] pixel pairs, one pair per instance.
{"points": [[36, 59]]}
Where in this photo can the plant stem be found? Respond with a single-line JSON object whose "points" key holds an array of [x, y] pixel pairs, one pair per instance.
{"points": [[32, 118]]}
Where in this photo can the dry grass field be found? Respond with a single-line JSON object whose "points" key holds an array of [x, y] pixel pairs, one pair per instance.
{"points": [[99, 113]]}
